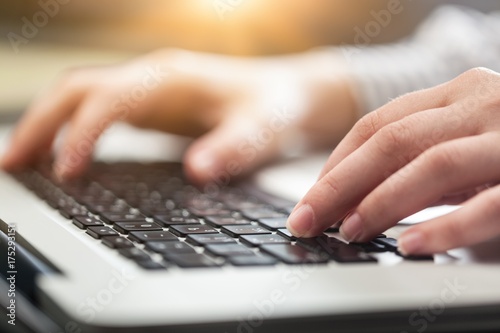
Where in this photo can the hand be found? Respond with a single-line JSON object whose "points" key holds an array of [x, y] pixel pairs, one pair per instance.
{"points": [[239, 108], [431, 146]]}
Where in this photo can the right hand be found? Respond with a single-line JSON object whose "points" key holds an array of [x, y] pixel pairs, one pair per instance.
{"points": [[226, 102], [432, 146]]}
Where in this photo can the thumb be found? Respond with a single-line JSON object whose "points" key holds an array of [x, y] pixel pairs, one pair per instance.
{"points": [[235, 147]]}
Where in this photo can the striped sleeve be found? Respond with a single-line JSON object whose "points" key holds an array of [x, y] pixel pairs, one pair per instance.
{"points": [[452, 40]]}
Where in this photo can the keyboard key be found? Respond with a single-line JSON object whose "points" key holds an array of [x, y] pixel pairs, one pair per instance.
{"points": [[252, 260], [99, 232], [316, 244], [54, 199], [70, 212], [209, 212], [126, 227], [238, 230], [117, 242], [83, 222], [173, 213], [110, 217], [219, 221], [273, 223], [226, 250], [293, 254], [416, 257], [242, 204], [173, 247], [256, 240], [183, 230], [371, 247], [260, 213], [148, 236], [335, 249], [151, 210], [351, 254], [390, 243], [203, 202], [100, 207], [193, 260], [171, 220], [202, 239], [150, 265], [286, 234], [134, 254]]}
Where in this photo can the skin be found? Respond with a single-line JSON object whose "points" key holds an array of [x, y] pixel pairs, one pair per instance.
{"points": [[223, 102], [434, 146], [429, 147]]}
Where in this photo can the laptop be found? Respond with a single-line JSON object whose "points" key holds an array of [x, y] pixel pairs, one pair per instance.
{"points": [[133, 247]]}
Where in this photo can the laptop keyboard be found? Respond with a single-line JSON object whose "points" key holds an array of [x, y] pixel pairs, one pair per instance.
{"points": [[150, 214]]}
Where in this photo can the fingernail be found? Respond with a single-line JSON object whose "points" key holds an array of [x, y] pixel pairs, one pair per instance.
{"points": [[410, 242], [301, 220], [351, 228]]}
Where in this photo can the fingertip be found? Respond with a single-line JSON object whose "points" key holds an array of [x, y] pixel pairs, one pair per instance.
{"points": [[24, 150], [301, 221], [411, 242], [70, 165], [61, 173], [352, 227], [5, 162], [10, 160], [200, 164]]}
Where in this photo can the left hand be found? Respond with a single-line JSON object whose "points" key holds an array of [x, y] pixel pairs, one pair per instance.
{"points": [[428, 147], [242, 112]]}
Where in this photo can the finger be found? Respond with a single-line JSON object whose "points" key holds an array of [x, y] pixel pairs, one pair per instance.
{"points": [[391, 148], [477, 221], [44, 154], [93, 116], [462, 196], [39, 125], [233, 148], [370, 124], [446, 168], [454, 199]]}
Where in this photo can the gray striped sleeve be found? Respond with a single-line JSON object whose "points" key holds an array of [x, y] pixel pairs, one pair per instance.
{"points": [[450, 41]]}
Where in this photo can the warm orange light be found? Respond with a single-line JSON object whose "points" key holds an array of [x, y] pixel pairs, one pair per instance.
{"points": [[242, 27]]}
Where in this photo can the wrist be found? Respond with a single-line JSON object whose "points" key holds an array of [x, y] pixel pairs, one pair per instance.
{"points": [[332, 107]]}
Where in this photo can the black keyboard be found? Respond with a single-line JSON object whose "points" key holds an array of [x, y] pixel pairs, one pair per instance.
{"points": [[150, 214]]}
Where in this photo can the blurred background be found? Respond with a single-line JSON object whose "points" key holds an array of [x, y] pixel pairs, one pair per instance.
{"points": [[41, 38]]}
